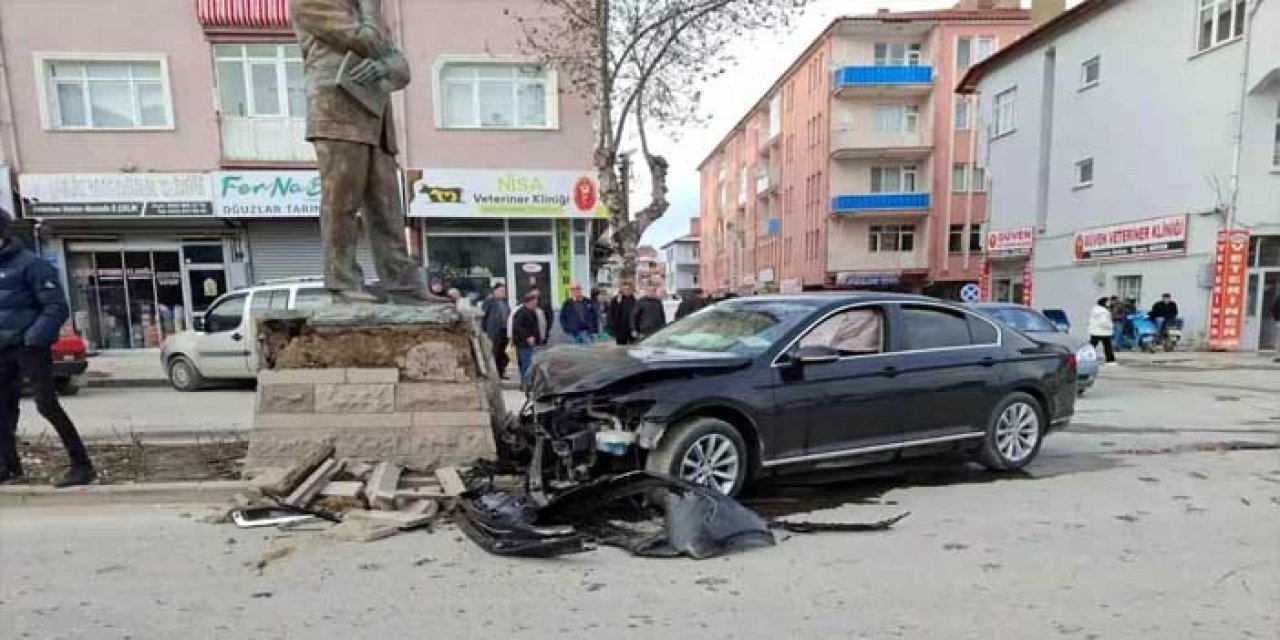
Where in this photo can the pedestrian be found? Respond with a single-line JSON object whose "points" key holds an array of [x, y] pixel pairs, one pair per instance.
{"points": [[578, 317], [651, 316], [32, 310], [546, 315], [691, 303], [527, 332], [622, 311], [1116, 307], [493, 322], [1101, 326], [1164, 312]]}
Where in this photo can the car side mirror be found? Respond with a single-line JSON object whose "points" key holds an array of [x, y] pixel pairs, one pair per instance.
{"points": [[815, 354], [198, 324]]}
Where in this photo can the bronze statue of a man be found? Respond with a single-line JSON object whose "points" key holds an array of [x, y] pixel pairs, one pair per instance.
{"points": [[352, 65]]}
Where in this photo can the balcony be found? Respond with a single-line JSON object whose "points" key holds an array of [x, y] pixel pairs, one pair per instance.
{"points": [[863, 144], [263, 139], [855, 203], [883, 81], [765, 181]]}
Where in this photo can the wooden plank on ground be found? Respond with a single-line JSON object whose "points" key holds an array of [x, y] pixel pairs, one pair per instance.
{"points": [[451, 481]]}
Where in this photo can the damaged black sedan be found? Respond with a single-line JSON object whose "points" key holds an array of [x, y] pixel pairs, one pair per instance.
{"points": [[766, 384]]}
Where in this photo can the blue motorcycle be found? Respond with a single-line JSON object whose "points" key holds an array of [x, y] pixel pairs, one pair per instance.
{"points": [[1140, 332]]}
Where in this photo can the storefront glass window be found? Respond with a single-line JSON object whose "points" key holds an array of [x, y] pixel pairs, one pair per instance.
{"points": [[531, 245], [538, 224], [469, 263], [126, 300]]}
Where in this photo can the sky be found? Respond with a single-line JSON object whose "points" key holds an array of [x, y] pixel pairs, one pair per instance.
{"points": [[762, 58]]}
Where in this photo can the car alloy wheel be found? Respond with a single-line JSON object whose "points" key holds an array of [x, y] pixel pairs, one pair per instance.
{"points": [[712, 461], [1017, 431]]}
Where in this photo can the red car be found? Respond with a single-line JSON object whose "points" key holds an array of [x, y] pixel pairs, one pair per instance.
{"points": [[70, 360]]}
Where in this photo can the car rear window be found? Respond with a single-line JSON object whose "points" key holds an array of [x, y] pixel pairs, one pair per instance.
{"points": [[933, 328], [1023, 319]]}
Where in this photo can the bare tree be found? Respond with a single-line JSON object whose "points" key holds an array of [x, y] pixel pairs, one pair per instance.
{"points": [[640, 65]]}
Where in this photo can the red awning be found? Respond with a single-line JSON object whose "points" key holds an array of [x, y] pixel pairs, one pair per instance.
{"points": [[243, 14]]}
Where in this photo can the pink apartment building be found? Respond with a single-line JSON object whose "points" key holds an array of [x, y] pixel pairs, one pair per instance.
{"points": [[157, 145], [859, 167]]}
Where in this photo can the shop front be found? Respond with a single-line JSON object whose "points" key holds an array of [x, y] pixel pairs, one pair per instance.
{"points": [[523, 228], [1007, 272], [1262, 295], [141, 255], [278, 213]]}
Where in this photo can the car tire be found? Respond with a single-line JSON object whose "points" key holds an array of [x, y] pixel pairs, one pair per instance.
{"points": [[69, 386], [1014, 434], [183, 375], [705, 451]]}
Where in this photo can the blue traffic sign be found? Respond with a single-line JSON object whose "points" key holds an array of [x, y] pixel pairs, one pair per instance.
{"points": [[970, 292]]}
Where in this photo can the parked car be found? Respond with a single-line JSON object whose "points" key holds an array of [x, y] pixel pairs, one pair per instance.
{"points": [[1040, 326], [758, 385], [70, 360], [223, 345]]}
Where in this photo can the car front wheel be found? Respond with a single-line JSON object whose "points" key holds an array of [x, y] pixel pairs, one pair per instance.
{"points": [[704, 451], [183, 375], [1014, 435]]}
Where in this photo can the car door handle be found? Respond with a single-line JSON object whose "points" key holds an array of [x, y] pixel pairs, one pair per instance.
{"points": [[236, 336]]}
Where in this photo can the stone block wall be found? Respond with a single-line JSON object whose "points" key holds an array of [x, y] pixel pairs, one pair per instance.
{"points": [[373, 414]]}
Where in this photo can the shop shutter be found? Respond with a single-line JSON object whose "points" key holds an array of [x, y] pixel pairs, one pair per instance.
{"points": [[291, 249]]}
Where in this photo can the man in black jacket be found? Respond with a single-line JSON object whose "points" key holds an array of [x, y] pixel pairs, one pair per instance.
{"points": [[1163, 312], [691, 303], [494, 324], [651, 317], [526, 332], [32, 310], [622, 311]]}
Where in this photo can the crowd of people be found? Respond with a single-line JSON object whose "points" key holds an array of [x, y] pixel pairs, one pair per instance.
{"points": [[1111, 321], [624, 318]]}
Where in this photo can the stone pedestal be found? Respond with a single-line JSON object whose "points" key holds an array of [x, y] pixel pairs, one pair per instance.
{"points": [[407, 384]]}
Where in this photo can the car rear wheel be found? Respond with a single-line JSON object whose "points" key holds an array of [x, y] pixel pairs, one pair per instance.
{"points": [[705, 451], [1014, 434], [184, 376]]}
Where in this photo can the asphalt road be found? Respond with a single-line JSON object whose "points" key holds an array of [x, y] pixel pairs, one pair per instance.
{"points": [[1141, 521]]}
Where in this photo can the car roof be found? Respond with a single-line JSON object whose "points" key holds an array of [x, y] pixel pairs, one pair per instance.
{"points": [[1000, 305], [842, 297]]}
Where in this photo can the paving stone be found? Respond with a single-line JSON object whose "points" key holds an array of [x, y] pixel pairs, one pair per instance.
{"points": [[453, 419], [302, 376], [386, 375], [286, 398], [439, 396], [321, 421], [355, 398]]}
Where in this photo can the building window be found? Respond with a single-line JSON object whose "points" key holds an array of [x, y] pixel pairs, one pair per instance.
{"points": [[979, 178], [962, 121], [1220, 21], [109, 94], [1090, 72], [956, 238], [260, 80], [1006, 111], [897, 54], [893, 238], [1084, 173], [1129, 288], [496, 96], [894, 179], [972, 50], [897, 119], [959, 177]]}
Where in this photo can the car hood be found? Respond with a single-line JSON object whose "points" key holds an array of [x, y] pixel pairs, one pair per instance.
{"points": [[582, 369]]}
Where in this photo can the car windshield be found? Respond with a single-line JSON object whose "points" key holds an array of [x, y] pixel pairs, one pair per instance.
{"points": [[1023, 319], [743, 327]]}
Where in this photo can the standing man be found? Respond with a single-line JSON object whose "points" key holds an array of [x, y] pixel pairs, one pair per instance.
{"points": [[691, 303], [578, 317], [355, 141], [651, 316], [32, 310], [622, 311], [545, 315], [493, 322], [526, 332]]}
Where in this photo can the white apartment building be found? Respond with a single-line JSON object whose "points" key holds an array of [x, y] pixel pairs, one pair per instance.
{"points": [[1121, 137], [681, 257]]}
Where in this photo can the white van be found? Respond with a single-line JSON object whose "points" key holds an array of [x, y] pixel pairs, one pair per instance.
{"points": [[224, 345]]}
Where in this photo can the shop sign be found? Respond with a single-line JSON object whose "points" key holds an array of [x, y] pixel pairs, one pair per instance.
{"points": [[564, 256], [471, 193], [851, 279], [984, 282], [266, 194], [1026, 283], [116, 195], [1226, 303], [1154, 238], [1008, 243]]}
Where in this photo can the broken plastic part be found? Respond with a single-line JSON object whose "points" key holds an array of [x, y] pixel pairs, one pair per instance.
{"points": [[649, 433]]}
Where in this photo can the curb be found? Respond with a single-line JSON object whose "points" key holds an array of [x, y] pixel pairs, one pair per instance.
{"points": [[126, 383], [209, 492]]}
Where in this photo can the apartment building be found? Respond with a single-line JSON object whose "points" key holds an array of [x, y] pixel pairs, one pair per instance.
{"points": [[859, 168], [681, 257], [158, 147], [1138, 166]]}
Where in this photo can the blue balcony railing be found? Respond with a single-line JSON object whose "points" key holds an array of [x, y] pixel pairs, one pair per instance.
{"points": [[866, 76], [854, 203]]}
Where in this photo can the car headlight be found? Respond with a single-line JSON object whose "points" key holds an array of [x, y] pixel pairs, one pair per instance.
{"points": [[1086, 353]]}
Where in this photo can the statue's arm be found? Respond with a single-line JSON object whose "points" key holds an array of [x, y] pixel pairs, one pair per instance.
{"points": [[336, 24]]}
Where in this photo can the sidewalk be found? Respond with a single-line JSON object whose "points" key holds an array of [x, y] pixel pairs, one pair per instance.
{"points": [[1202, 360]]}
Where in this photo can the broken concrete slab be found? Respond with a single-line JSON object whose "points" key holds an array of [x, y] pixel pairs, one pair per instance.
{"points": [[307, 491], [343, 488], [383, 481], [451, 481], [310, 460]]}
